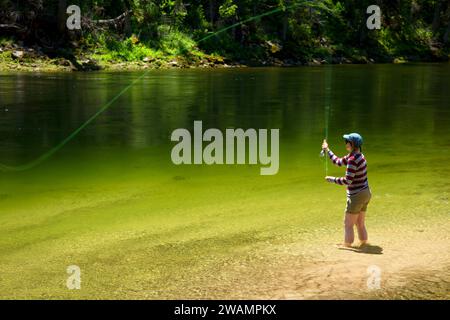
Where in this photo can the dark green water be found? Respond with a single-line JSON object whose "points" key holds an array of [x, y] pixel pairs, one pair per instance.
{"points": [[400, 108]]}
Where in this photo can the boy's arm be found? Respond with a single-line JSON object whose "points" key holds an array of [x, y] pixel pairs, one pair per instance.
{"points": [[349, 175], [336, 160]]}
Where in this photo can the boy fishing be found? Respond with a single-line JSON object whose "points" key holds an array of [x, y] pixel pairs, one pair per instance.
{"points": [[358, 191]]}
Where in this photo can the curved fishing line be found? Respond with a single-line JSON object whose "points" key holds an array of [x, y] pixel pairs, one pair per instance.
{"points": [[310, 3], [59, 146]]}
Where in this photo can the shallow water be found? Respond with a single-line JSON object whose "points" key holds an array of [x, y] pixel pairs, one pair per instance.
{"points": [[114, 182]]}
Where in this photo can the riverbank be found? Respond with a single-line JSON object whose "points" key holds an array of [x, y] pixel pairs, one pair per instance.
{"points": [[31, 59], [139, 35], [14, 57]]}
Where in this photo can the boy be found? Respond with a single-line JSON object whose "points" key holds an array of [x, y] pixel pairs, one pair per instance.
{"points": [[358, 191]]}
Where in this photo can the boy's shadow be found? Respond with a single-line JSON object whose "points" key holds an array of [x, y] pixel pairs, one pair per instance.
{"points": [[367, 249]]}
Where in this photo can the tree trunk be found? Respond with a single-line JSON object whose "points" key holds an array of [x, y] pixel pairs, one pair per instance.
{"points": [[127, 20], [447, 34], [285, 27], [211, 12], [62, 17], [436, 17]]}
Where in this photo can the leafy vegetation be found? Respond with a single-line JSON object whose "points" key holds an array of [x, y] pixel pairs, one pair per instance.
{"points": [[245, 31]]}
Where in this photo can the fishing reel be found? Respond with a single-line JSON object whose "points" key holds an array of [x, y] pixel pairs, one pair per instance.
{"points": [[322, 153]]}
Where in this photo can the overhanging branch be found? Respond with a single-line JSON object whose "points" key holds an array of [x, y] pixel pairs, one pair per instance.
{"points": [[114, 20]]}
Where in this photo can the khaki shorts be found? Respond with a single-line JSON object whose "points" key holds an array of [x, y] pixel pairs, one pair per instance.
{"points": [[358, 202]]}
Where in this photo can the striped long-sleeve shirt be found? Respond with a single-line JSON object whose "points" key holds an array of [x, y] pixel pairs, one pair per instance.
{"points": [[356, 175]]}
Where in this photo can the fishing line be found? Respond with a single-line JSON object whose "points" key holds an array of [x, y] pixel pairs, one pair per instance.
{"points": [[106, 106], [328, 80], [55, 149], [310, 3]]}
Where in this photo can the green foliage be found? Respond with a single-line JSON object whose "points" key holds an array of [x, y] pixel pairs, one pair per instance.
{"points": [[131, 49], [227, 9], [302, 29], [146, 12], [5, 41], [176, 42], [125, 50]]}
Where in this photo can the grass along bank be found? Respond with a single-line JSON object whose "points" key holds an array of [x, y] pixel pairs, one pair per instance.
{"points": [[176, 51], [161, 34]]}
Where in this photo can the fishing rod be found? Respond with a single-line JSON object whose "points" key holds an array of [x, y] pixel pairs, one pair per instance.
{"points": [[327, 106]]}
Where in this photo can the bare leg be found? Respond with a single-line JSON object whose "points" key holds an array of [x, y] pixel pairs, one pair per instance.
{"points": [[361, 226], [349, 222]]}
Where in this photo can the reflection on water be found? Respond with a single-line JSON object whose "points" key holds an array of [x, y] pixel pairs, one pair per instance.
{"points": [[403, 104]]}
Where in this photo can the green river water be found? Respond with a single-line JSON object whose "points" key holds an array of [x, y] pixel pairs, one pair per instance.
{"points": [[112, 202]]}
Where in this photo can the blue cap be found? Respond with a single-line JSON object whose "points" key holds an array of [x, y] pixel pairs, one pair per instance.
{"points": [[355, 138]]}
